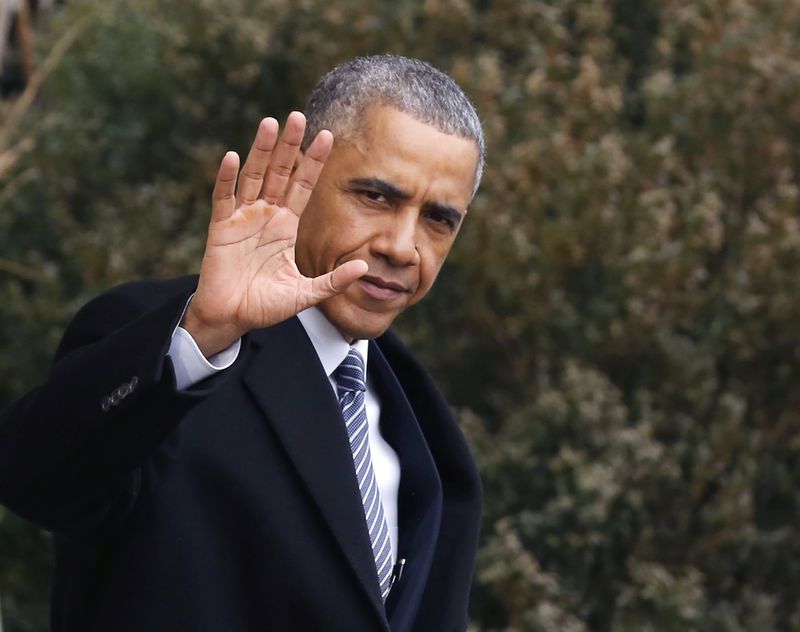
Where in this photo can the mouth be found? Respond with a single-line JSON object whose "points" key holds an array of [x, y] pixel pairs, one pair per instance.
{"points": [[381, 289]]}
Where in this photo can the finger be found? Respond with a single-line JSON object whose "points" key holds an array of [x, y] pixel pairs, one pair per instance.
{"points": [[255, 167], [337, 281], [283, 157], [307, 173], [223, 200]]}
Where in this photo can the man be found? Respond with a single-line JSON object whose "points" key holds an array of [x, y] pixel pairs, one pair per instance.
{"points": [[253, 449]]}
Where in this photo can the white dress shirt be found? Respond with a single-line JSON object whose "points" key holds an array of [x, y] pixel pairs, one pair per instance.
{"points": [[191, 366]]}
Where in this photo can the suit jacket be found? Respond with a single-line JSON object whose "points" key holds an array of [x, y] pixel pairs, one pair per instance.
{"points": [[234, 505]]}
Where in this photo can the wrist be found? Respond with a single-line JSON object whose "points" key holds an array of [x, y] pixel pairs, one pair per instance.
{"points": [[210, 336]]}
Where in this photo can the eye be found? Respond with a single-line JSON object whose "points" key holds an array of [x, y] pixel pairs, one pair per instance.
{"points": [[442, 218], [373, 196]]}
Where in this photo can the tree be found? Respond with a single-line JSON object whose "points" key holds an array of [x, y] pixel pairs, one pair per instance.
{"points": [[616, 326]]}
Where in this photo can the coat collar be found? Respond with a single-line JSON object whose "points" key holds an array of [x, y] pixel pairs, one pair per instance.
{"points": [[454, 556], [419, 498]]}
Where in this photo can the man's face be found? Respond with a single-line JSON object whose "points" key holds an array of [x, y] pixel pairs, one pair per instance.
{"points": [[394, 196]]}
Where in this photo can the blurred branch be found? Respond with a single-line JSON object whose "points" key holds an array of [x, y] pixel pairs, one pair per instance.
{"points": [[10, 157], [9, 190], [25, 39], [18, 269], [4, 15], [20, 107]]}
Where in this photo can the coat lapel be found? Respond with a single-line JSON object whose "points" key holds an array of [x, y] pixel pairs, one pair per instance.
{"points": [[444, 603], [420, 493], [291, 388]]}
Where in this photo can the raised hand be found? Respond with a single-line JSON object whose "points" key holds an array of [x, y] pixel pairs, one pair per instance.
{"points": [[248, 277]]}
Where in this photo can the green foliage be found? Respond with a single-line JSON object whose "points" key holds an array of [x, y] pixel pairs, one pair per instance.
{"points": [[617, 325]]}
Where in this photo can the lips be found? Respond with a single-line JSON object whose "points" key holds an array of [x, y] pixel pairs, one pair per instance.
{"points": [[381, 289]]}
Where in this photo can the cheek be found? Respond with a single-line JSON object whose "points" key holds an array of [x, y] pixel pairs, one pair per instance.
{"points": [[435, 252], [345, 241], [430, 264], [427, 276]]}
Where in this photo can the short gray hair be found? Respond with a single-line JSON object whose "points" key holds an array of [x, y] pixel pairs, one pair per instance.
{"points": [[412, 86]]}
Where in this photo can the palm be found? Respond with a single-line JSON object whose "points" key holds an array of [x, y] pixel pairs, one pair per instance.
{"points": [[250, 260], [248, 277]]}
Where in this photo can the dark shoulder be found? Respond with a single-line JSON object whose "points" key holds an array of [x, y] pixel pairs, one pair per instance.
{"points": [[411, 374], [147, 292], [397, 353], [119, 305]]}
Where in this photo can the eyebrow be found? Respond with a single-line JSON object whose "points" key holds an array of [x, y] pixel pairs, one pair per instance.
{"points": [[393, 192], [381, 186]]}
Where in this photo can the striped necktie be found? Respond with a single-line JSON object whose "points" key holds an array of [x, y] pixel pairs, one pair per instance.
{"points": [[350, 387]]}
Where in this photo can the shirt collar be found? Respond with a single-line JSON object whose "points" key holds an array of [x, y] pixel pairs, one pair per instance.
{"points": [[329, 344]]}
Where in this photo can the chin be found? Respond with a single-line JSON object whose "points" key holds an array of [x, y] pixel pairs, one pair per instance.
{"points": [[360, 329], [353, 322]]}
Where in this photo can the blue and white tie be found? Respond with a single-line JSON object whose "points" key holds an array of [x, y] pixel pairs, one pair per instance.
{"points": [[350, 387]]}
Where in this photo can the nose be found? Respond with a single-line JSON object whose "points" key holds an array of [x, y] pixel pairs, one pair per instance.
{"points": [[397, 241]]}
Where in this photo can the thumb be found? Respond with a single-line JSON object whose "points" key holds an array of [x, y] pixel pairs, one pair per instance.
{"points": [[337, 281]]}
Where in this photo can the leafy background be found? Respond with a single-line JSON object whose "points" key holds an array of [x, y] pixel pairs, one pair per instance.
{"points": [[617, 326]]}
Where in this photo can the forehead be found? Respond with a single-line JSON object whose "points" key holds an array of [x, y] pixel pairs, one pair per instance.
{"points": [[394, 146]]}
